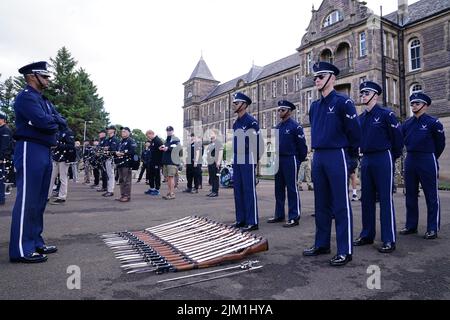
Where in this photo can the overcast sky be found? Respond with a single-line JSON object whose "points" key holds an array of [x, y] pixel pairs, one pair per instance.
{"points": [[139, 52]]}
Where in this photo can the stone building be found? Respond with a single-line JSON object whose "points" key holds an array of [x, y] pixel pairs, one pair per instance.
{"points": [[405, 51]]}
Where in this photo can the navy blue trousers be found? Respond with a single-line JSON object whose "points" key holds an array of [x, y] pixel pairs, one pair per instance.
{"points": [[286, 178], [377, 176], [245, 200], [330, 176], [33, 166], [2, 182], [423, 168]]}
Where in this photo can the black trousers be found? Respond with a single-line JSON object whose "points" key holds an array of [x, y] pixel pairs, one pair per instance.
{"points": [[191, 176], [104, 179], [154, 174], [198, 175], [213, 177], [96, 172], [144, 168]]}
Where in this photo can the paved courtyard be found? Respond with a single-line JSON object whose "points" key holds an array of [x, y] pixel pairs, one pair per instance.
{"points": [[418, 269]]}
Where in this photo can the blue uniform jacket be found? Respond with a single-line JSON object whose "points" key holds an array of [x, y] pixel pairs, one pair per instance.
{"points": [[292, 140], [128, 147], [111, 143], [424, 134], [380, 132], [242, 125], [65, 148], [36, 118], [146, 156], [334, 124], [5, 142]]}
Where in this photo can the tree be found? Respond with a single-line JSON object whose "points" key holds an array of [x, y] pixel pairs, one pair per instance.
{"points": [[140, 138], [75, 96]]}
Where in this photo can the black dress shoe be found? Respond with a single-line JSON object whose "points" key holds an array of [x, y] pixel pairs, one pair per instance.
{"points": [[340, 260], [275, 220], [387, 247], [250, 227], [47, 249], [315, 251], [238, 225], [108, 194], [430, 235], [32, 258], [213, 195], [291, 223], [406, 231], [362, 241]]}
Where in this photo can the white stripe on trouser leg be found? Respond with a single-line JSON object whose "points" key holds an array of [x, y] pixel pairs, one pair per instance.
{"points": [[391, 200], [296, 189], [24, 198], [438, 218], [347, 203], [254, 188]]}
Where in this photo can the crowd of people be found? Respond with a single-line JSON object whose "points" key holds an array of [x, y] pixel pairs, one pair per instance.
{"points": [[340, 139]]}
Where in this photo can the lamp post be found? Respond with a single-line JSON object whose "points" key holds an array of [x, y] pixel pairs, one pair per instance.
{"points": [[84, 133]]}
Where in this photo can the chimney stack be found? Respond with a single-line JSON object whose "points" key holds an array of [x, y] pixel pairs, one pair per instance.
{"points": [[403, 13]]}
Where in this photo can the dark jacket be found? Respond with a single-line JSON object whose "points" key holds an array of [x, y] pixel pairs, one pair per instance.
{"points": [[65, 149], [156, 154], [172, 155], [5, 142], [128, 147]]}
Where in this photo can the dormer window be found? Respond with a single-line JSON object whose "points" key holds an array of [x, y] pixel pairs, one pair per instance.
{"points": [[332, 18]]}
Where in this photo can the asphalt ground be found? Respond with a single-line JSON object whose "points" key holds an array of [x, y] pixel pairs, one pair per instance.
{"points": [[418, 269]]}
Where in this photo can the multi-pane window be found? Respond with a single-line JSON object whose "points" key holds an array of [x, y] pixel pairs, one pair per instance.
{"points": [[362, 44], [308, 98], [387, 89], [332, 18], [264, 92], [308, 63], [285, 85], [415, 88], [221, 106], [274, 89], [274, 118], [297, 82], [414, 55], [254, 94], [393, 39], [264, 120], [394, 91]]}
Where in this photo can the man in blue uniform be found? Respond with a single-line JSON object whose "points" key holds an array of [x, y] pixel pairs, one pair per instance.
{"points": [[381, 145], [292, 150], [335, 136], [425, 141], [247, 147], [37, 122], [111, 144], [5, 153], [124, 158]]}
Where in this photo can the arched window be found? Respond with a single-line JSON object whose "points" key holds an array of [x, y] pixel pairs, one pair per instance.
{"points": [[415, 87], [414, 54], [327, 56], [332, 18]]}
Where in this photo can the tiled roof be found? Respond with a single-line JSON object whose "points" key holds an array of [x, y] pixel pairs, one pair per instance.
{"points": [[257, 73], [420, 10]]}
